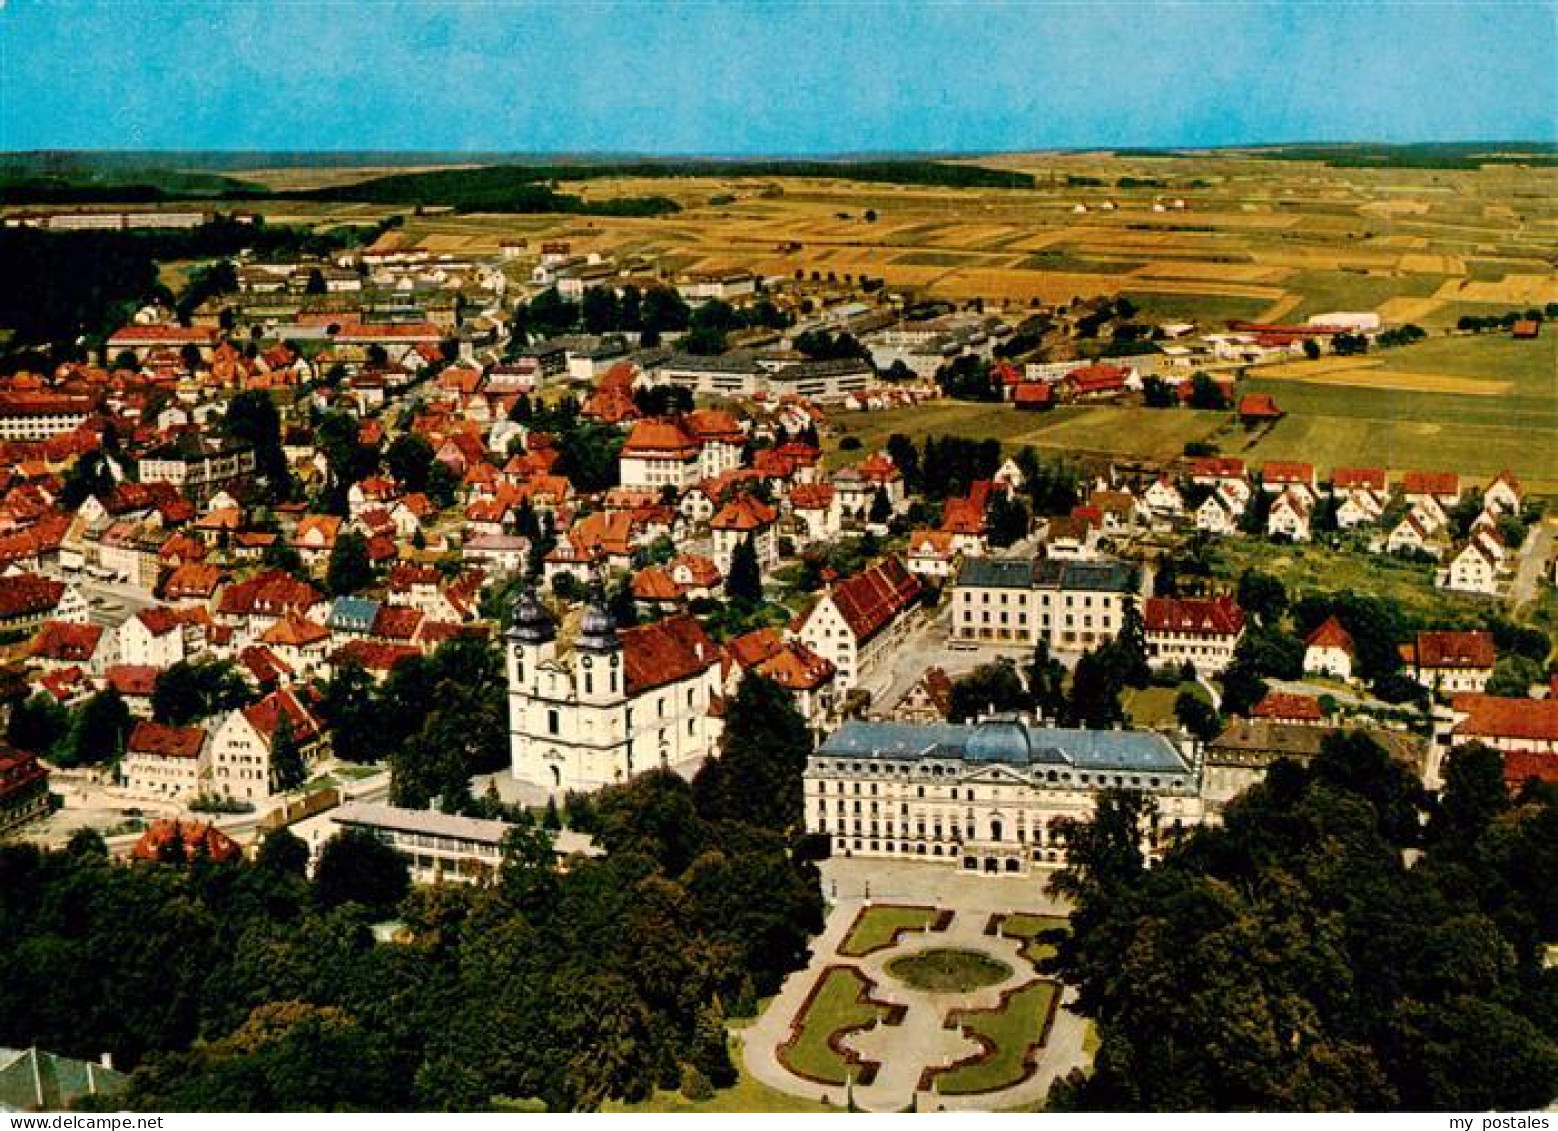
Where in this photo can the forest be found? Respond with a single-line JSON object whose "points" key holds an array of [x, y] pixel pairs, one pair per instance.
{"points": [[1337, 944], [248, 986]]}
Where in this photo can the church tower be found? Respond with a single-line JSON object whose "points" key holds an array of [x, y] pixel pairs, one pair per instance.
{"points": [[529, 642]]}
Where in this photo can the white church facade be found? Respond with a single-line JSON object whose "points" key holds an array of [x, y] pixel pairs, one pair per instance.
{"points": [[611, 704]]}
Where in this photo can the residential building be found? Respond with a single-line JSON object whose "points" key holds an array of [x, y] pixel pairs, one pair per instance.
{"points": [[1329, 650], [1451, 662], [24, 789], [1020, 601], [166, 762], [861, 620], [442, 847], [1193, 631], [1240, 756]]}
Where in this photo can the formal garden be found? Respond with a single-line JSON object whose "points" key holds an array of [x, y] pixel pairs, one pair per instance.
{"points": [[926, 1000]]}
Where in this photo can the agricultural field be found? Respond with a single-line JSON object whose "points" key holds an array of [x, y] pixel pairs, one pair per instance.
{"points": [[1128, 432], [1255, 238], [1474, 404]]}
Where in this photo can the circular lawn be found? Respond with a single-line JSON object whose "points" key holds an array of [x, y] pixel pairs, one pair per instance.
{"points": [[947, 971]]}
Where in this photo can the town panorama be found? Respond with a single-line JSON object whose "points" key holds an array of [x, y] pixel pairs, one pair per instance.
{"points": [[1061, 631]]}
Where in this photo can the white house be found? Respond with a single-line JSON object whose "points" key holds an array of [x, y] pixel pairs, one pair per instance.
{"points": [[166, 762], [1329, 650], [862, 619]]}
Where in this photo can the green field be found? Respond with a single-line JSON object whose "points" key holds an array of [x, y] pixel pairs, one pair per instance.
{"points": [[839, 1003], [1207, 311], [1320, 569], [1012, 1029], [1325, 291], [1478, 436], [1108, 430], [747, 1094], [1154, 706], [878, 926]]}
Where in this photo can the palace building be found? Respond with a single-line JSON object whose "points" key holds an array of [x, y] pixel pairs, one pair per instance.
{"points": [[989, 796], [607, 705]]}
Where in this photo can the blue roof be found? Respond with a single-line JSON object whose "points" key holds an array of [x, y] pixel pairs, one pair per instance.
{"points": [[352, 611], [1009, 741]]}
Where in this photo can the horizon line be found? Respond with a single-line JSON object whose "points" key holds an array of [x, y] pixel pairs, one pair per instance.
{"points": [[776, 155]]}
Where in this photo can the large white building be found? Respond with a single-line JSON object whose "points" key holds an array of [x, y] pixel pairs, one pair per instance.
{"points": [[1021, 601], [612, 704], [986, 797]]}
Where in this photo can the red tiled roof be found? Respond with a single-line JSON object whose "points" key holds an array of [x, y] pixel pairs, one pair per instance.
{"points": [[266, 714], [1520, 766], [372, 655], [161, 741], [1260, 406], [1286, 705], [744, 512], [396, 623], [1033, 393], [1349, 478], [296, 631], [1455, 650], [660, 438], [138, 680], [1219, 616], [161, 334], [188, 838], [57, 640], [666, 651], [1517, 720], [28, 594], [1217, 467], [268, 594], [1284, 471], [1431, 483], [1331, 634], [870, 600]]}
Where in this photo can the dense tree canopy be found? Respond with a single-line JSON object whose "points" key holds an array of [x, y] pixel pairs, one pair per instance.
{"points": [[1293, 960]]}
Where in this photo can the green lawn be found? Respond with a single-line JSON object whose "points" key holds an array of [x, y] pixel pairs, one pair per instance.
{"points": [[949, 971], [1208, 311], [1154, 706], [1315, 568], [877, 927], [839, 1003], [1027, 926], [1326, 291], [1012, 1029]]}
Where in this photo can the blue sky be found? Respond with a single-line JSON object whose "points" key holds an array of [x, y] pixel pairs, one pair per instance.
{"points": [[765, 76]]}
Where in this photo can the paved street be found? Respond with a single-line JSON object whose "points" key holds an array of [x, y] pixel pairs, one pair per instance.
{"points": [[1532, 562]]}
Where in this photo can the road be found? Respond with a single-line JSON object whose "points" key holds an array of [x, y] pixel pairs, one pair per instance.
{"points": [[1532, 563]]}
